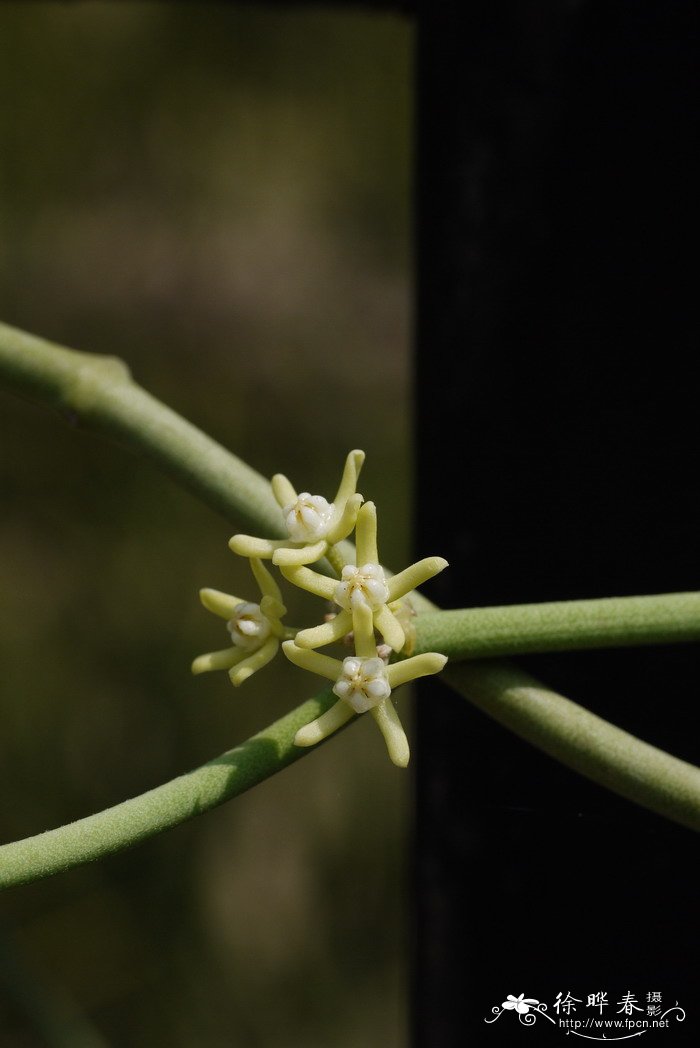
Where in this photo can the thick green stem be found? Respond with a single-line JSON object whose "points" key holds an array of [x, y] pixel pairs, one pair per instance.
{"points": [[98, 392], [168, 805], [518, 629], [581, 740]]}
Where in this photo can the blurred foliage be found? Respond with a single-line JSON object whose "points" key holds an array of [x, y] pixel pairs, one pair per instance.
{"points": [[219, 195]]}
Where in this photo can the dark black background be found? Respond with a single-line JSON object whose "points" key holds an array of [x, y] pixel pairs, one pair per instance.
{"points": [[557, 332]]}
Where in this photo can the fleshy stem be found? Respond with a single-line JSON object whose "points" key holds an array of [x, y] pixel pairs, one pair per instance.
{"points": [[581, 740], [98, 391], [519, 629], [167, 805], [586, 743]]}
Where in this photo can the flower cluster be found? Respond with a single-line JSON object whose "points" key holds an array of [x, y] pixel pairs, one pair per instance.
{"points": [[371, 607]]}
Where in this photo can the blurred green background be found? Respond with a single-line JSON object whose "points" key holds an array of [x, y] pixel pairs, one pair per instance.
{"points": [[219, 195]]}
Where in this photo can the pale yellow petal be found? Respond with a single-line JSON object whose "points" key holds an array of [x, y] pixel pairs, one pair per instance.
{"points": [[221, 604], [254, 662], [327, 633], [265, 580], [351, 472], [250, 546], [313, 661], [324, 725], [394, 736], [363, 627], [272, 609], [390, 628], [283, 491], [366, 535], [417, 666], [345, 520], [290, 555], [414, 576], [217, 660], [309, 580]]}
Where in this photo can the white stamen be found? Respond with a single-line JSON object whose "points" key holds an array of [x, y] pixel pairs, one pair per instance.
{"points": [[361, 586], [352, 666], [308, 518], [363, 683], [248, 628]]}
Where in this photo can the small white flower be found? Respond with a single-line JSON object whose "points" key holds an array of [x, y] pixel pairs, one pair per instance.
{"points": [[308, 518], [255, 629], [313, 525], [363, 585], [363, 683], [248, 627]]}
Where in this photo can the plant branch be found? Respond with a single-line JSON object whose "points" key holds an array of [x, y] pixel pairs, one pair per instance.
{"points": [[519, 629], [166, 806], [97, 392], [566, 731], [581, 740]]}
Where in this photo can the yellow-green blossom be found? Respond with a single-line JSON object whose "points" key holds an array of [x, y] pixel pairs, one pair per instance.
{"points": [[362, 585], [312, 523], [362, 682], [255, 629]]}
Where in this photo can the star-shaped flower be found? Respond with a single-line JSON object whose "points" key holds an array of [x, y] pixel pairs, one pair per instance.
{"points": [[362, 585], [520, 1004], [362, 682], [256, 629], [313, 524]]}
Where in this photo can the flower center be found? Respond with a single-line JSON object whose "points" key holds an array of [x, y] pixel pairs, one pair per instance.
{"points": [[308, 518], [361, 586], [363, 683], [248, 627]]}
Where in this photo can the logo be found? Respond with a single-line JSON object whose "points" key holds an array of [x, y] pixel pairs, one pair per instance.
{"points": [[600, 1018]]}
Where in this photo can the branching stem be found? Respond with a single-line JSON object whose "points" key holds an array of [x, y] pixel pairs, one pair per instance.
{"points": [[583, 741], [98, 393], [519, 629], [166, 806]]}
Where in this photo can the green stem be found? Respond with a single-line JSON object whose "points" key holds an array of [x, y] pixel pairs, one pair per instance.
{"points": [[518, 629], [98, 392], [566, 731], [166, 806], [581, 740]]}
